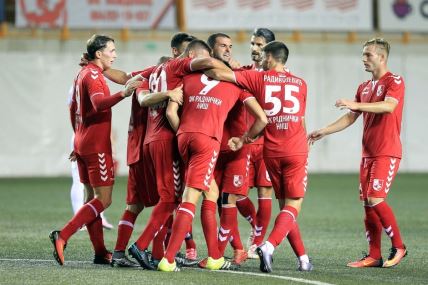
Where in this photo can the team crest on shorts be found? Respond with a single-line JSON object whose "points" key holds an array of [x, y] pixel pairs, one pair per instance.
{"points": [[238, 180], [380, 90], [377, 184]]}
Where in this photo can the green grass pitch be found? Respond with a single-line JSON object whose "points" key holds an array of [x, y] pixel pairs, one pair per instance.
{"points": [[331, 223]]}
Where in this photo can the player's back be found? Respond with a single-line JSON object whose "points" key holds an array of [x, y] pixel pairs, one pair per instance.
{"points": [[165, 77], [92, 127], [283, 98], [284, 102], [206, 104]]}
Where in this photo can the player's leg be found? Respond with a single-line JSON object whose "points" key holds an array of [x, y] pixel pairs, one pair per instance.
{"points": [[244, 205], [77, 192], [168, 173], [181, 225], [288, 177], [372, 223], [93, 171], [383, 173], [264, 198]]}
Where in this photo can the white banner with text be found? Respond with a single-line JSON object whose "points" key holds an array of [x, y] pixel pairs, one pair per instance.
{"points": [[315, 15], [112, 14]]}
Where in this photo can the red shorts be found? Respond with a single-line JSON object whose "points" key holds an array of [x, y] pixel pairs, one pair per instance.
{"points": [[199, 153], [289, 175], [376, 176], [231, 172], [258, 176], [96, 169], [164, 169], [139, 192]]}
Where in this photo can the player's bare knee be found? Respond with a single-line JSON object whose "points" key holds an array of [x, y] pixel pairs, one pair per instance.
{"points": [[135, 208], [264, 192], [373, 201], [294, 202]]}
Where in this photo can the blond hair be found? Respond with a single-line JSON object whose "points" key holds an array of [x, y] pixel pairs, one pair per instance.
{"points": [[380, 43]]}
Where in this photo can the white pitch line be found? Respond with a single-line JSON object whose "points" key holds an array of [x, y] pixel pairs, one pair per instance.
{"points": [[299, 280]]}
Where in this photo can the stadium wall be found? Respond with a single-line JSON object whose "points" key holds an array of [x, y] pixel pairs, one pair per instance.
{"points": [[35, 77]]}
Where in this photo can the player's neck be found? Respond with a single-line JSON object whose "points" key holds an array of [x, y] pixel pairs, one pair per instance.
{"points": [[258, 64], [98, 63], [379, 73], [278, 68]]}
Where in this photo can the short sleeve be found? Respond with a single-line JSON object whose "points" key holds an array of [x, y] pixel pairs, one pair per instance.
{"points": [[181, 66], [93, 82], [245, 95], [395, 88], [357, 97], [248, 79], [144, 86]]}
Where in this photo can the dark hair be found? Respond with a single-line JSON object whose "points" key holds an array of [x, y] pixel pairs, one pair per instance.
{"points": [[163, 59], [96, 43], [379, 43], [213, 38], [197, 44], [267, 34], [278, 50], [180, 38]]}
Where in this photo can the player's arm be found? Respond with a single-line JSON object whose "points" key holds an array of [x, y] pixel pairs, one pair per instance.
{"points": [[146, 99], [213, 68], [100, 102], [117, 76], [386, 106], [172, 115], [257, 127], [337, 126]]}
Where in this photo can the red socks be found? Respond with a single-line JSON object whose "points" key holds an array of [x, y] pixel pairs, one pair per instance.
{"points": [[158, 243], [263, 219], [209, 225], [190, 243], [373, 232], [180, 227], [159, 216], [84, 216], [247, 210], [228, 227], [284, 222], [295, 240], [96, 234], [124, 230], [389, 223]]}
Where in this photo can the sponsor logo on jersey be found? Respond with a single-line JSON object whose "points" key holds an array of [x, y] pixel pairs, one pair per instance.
{"points": [[377, 184], [380, 90], [238, 180]]}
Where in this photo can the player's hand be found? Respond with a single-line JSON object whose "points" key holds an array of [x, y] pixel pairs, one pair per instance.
{"points": [[130, 88], [234, 64], [72, 156], [315, 135], [176, 95], [346, 104], [137, 78], [235, 143], [83, 61]]}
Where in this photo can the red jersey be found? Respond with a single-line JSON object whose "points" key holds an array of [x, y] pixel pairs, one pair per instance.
{"points": [[283, 98], [235, 124], [92, 123], [206, 104], [251, 119], [381, 136], [167, 76], [137, 122]]}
